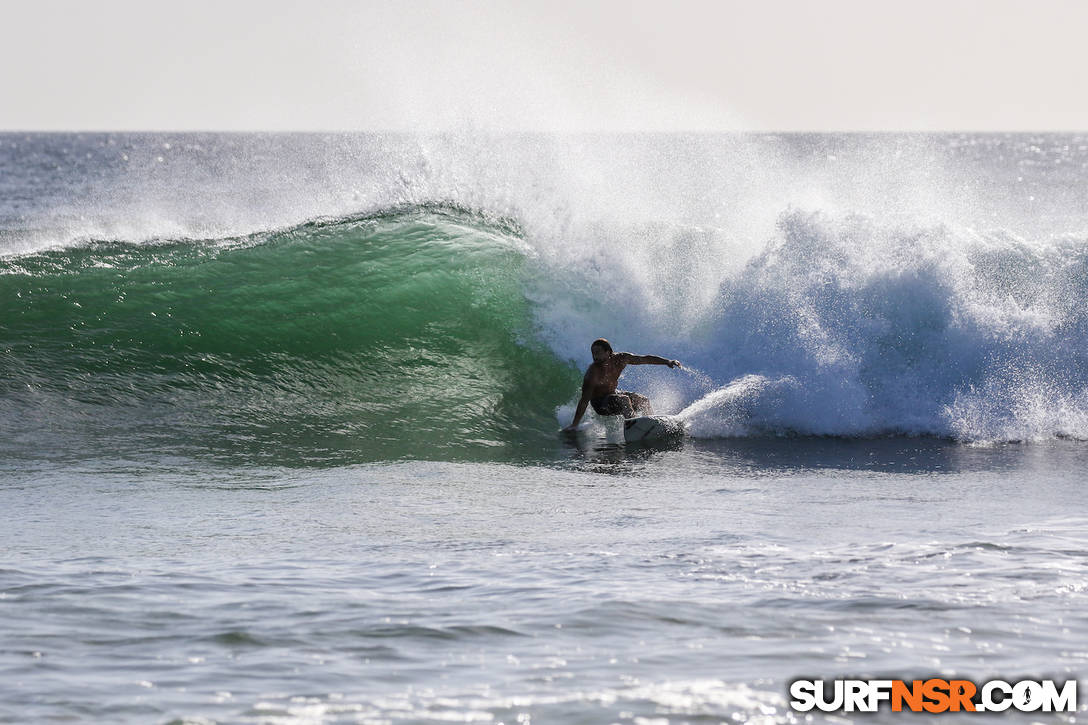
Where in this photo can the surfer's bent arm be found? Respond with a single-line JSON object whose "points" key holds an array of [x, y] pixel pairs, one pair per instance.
{"points": [[583, 403], [648, 360]]}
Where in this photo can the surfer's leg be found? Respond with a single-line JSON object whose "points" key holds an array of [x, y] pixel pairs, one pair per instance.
{"points": [[640, 404], [621, 404], [614, 404]]}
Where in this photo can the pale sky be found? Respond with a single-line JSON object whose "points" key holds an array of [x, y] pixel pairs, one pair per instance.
{"points": [[611, 65]]}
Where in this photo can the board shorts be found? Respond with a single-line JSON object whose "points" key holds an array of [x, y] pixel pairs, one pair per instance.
{"points": [[613, 403]]}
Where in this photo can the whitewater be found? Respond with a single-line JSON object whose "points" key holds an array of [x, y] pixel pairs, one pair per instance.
{"points": [[279, 414]]}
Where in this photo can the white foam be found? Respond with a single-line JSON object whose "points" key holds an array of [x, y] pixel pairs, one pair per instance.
{"points": [[846, 325]]}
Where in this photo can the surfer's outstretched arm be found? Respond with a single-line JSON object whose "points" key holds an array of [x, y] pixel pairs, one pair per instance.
{"points": [[649, 360]]}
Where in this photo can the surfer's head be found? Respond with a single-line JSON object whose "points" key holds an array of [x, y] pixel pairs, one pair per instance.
{"points": [[601, 349]]}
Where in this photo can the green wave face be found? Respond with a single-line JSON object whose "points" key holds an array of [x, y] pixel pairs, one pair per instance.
{"points": [[405, 335]]}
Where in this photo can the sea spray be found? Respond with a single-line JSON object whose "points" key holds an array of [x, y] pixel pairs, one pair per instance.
{"points": [[844, 325]]}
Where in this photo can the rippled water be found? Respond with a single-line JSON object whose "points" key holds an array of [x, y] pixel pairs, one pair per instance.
{"points": [[690, 585]]}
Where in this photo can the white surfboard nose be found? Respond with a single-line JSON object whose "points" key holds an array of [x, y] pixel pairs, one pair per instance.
{"points": [[652, 427]]}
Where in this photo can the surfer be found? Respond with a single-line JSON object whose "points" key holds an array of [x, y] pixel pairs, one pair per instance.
{"points": [[599, 384]]}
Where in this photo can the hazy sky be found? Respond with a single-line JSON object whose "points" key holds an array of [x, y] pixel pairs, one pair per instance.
{"points": [[545, 65]]}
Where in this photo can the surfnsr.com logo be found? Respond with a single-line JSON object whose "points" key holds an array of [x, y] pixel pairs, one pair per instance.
{"points": [[933, 695]]}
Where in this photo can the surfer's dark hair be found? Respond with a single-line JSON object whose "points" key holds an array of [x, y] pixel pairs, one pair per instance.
{"points": [[601, 342]]}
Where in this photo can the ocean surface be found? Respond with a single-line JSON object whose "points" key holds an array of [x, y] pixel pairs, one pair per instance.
{"points": [[279, 414]]}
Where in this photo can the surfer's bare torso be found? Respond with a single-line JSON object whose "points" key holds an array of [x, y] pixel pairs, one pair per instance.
{"points": [[602, 377]]}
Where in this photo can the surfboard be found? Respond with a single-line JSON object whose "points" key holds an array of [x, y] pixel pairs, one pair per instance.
{"points": [[650, 428]]}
